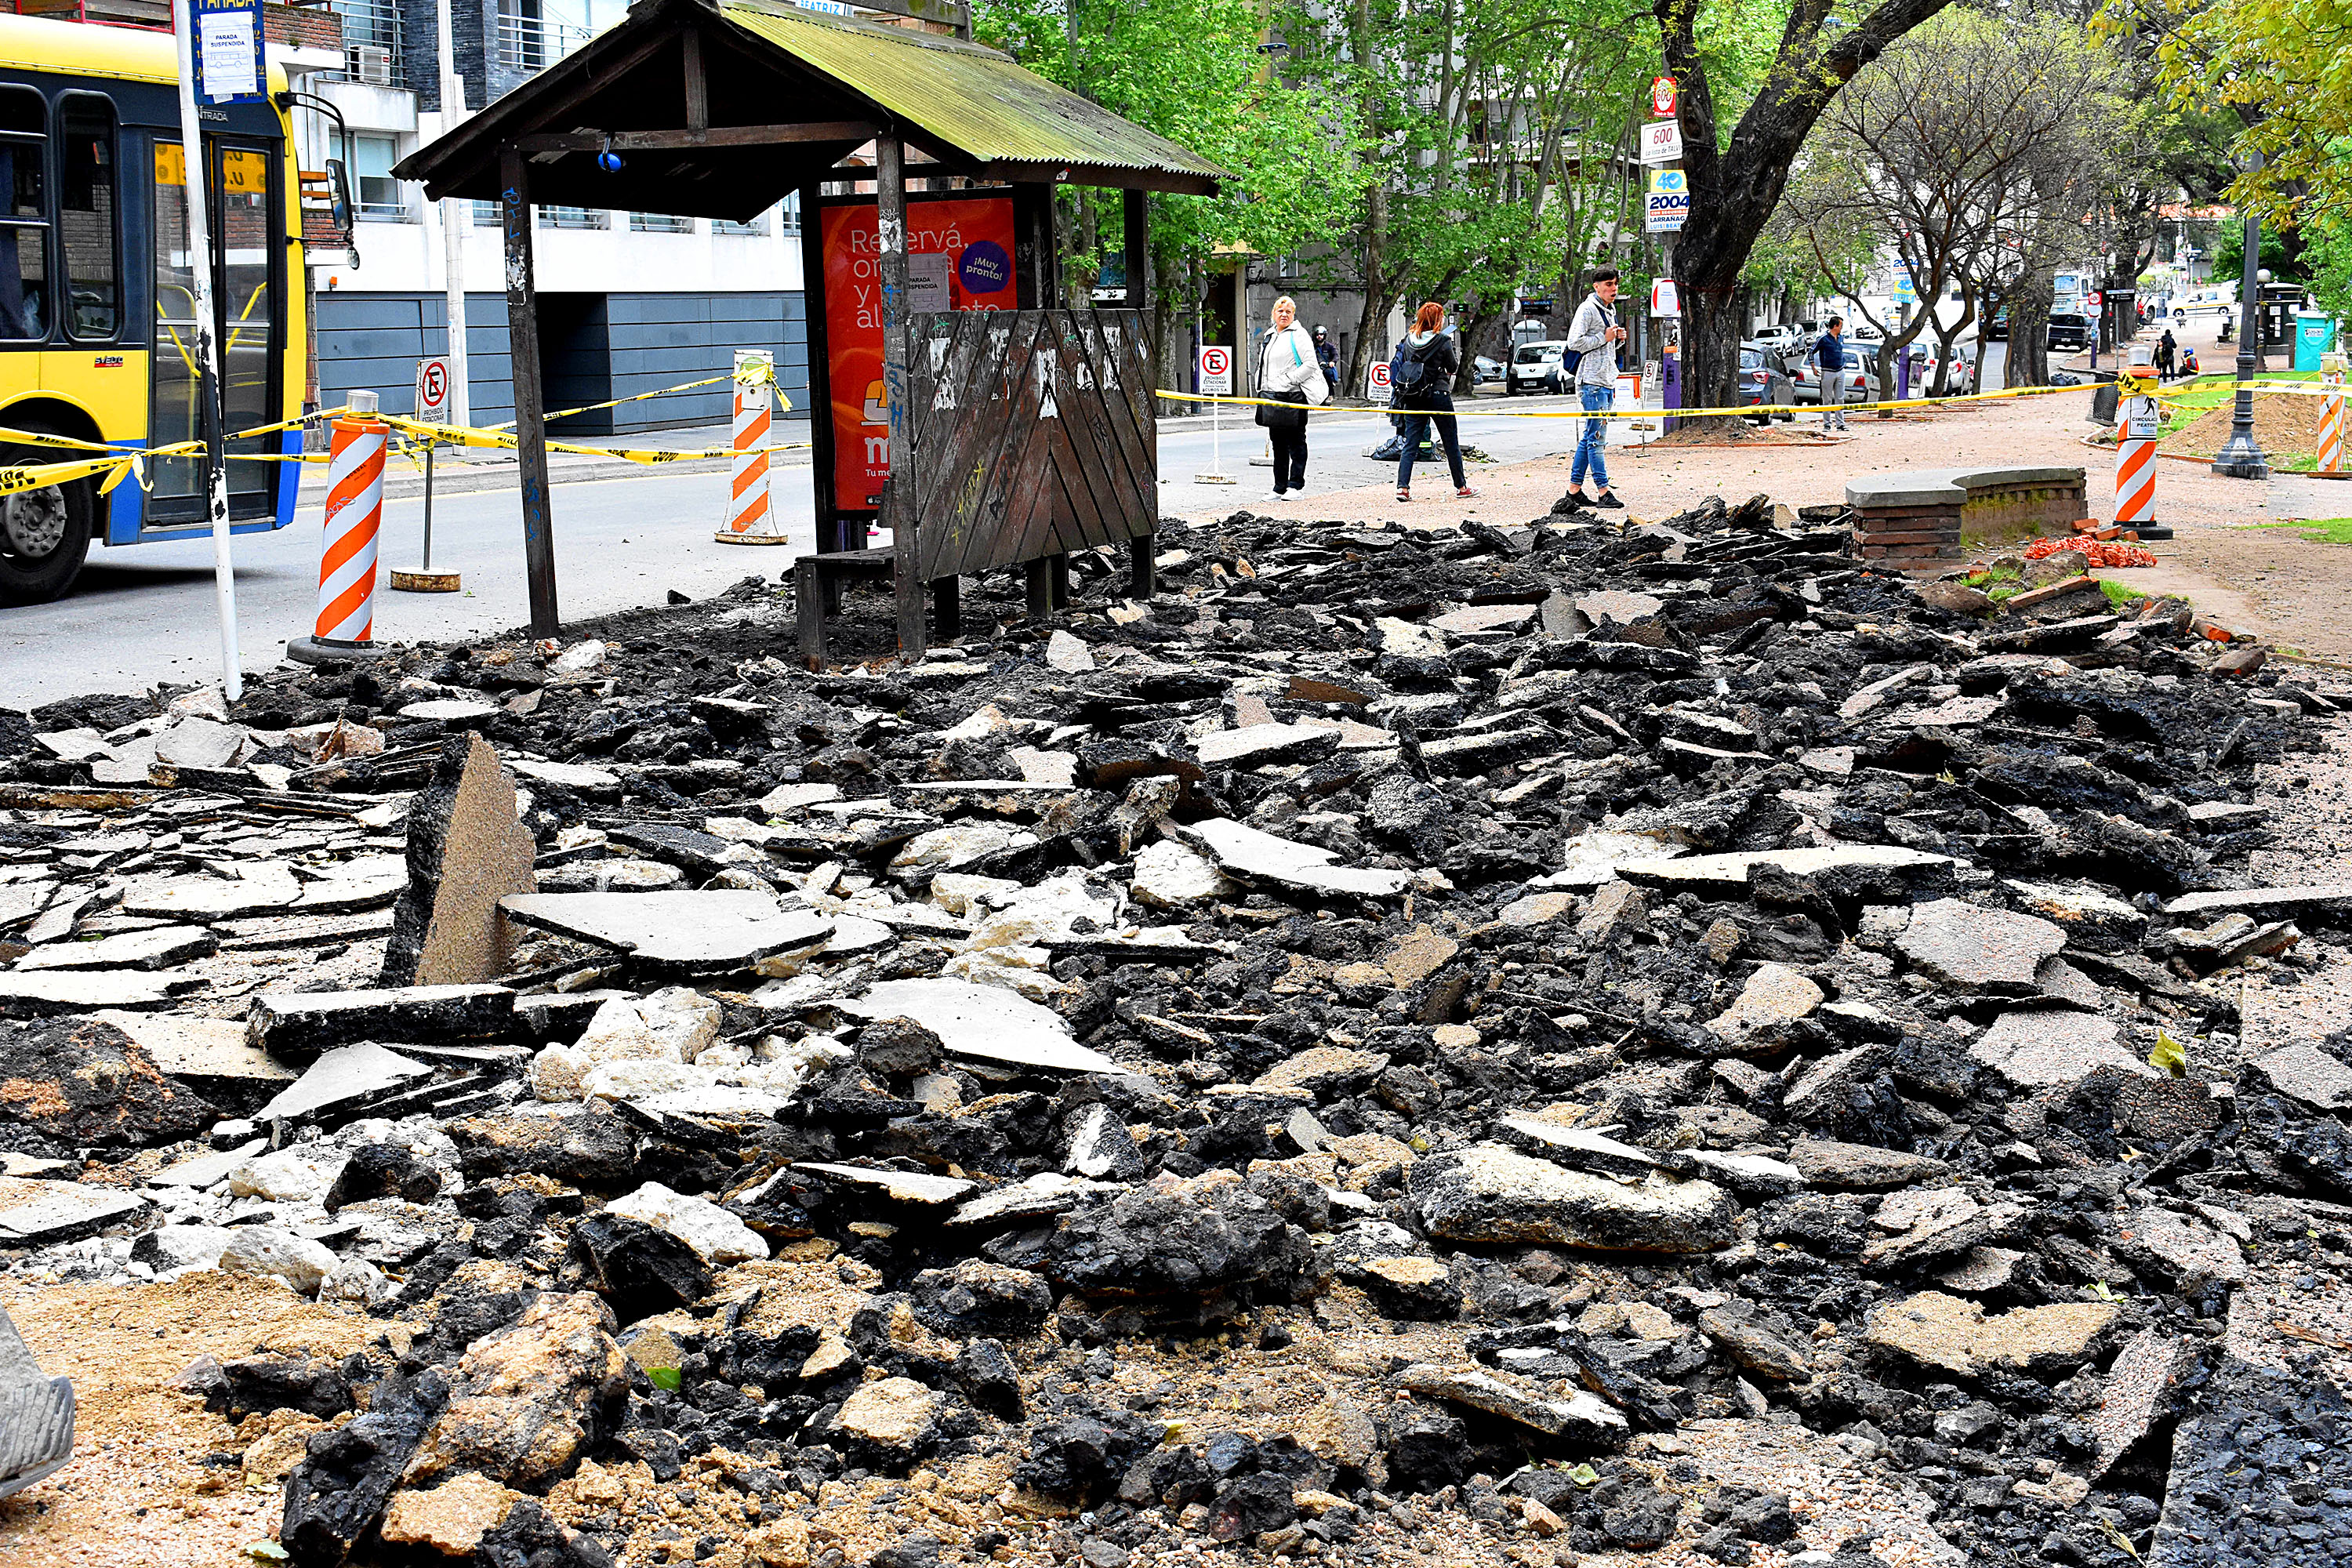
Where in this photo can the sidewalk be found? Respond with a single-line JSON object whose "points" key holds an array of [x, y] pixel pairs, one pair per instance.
{"points": [[464, 470]]}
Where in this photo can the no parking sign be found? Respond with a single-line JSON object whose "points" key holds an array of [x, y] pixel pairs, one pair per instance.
{"points": [[432, 388], [1376, 383], [1216, 368]]}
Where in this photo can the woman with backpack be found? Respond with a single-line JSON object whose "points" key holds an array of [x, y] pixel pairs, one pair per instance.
{"points": [[1288, 373], [1421, 377]]}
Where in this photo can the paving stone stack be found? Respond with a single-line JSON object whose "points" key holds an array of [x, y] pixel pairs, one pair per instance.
{"points": [[1454, 1039]]}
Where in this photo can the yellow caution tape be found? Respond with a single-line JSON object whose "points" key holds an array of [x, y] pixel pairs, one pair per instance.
{"points": [[1747, 410], [465, 436]]}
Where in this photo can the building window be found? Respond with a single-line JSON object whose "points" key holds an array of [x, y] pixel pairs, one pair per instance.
{"points": [[486, 215], [659, 223], [371, 42], [370, 160], [573, 217], [758, 226], [791, 212]]}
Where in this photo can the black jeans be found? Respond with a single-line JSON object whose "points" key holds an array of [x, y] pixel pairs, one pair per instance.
{"points": [[1417, 423], [1289, 457]]}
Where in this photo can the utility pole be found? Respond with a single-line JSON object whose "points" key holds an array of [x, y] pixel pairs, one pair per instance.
{"points": [[453, 228], [194, 169]]}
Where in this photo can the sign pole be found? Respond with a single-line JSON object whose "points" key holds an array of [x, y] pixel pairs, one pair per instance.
{"points": [[453, 255], [1214, 373], [195, 167], [434, 391]]}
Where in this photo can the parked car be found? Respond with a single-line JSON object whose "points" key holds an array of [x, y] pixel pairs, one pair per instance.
{"points": [[1762, 381], [2069, 331], [1487, 369], [1535, 367], [1861, 378]]}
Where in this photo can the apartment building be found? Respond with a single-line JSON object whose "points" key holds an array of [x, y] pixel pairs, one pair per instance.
{"points": [[629, 303]]}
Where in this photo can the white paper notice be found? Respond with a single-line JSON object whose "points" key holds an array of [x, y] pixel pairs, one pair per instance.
{"points": [[230, 61], [927, 283]]}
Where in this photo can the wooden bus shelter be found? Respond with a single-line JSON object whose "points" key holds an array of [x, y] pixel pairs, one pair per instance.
{"points": [[1016, 430]]}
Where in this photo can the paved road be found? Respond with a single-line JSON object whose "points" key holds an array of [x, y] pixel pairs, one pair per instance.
{"points": [[145, 614]]}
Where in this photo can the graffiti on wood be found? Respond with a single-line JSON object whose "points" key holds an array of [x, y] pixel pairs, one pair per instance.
{"points": [[1034, 436]]}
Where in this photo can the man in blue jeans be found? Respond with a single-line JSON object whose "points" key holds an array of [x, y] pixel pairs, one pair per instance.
{"points": [[1594, 336]]}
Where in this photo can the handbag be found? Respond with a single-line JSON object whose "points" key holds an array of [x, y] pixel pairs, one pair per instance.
{"points": [[1290, 415]]}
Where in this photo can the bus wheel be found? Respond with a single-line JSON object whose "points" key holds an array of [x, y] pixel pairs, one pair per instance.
{"points": [[43, 539]]}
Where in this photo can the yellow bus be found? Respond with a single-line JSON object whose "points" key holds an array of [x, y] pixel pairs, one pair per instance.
{"points": [[97, 297]]}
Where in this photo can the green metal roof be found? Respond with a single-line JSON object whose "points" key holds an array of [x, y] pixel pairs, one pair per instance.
{"points": [[973, 99]]}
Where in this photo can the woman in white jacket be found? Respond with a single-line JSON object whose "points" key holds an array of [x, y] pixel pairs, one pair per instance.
{"points": [[1289, 372]]}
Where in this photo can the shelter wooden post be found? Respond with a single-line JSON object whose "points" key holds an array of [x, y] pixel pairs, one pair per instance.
{"points": [[530, 399], [898, 497], [1140, 553]]}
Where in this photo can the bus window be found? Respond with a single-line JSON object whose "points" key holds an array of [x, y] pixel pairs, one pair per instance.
{"points": [[24, 229], [175, 360], [248, 340], [245, 333], [88, 219]]}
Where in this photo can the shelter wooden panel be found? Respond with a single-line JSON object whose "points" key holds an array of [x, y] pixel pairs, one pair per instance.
{"points": [[1033, 436]]}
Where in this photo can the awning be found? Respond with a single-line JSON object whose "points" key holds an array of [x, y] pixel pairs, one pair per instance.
{"points": [[765, 66]]}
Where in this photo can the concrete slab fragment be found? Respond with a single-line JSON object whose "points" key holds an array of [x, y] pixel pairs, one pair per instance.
{"points": [[709, 932], [988, 1022]]}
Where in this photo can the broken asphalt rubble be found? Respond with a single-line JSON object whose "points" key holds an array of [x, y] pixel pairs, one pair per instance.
{"points": [[1404, 1038]]}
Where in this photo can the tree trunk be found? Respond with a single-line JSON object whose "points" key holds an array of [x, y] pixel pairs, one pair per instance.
{"points": [[1376, 206], [2028, 329], [1733, 191]]}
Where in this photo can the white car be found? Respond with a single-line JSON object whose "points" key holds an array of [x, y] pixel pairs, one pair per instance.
{"points": [[1535, 367]]}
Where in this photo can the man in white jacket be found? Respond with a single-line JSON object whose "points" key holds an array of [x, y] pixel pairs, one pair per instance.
{"points": [[1594, 335]]}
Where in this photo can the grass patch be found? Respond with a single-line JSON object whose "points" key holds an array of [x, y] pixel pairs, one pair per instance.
{"points": [[2119, 595], [1984, 575], [2323, 531], [2003, 595]]}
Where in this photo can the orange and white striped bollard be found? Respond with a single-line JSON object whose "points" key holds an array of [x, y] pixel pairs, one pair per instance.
{"points": [[2330, 453], [750, 518], [346, 623]]}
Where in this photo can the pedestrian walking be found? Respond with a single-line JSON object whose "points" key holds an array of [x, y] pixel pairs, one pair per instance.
{"points": [[1592, 354], [1288, 373], [2166, 348], [1430, 356], [1828, 352], [1329, 357]]}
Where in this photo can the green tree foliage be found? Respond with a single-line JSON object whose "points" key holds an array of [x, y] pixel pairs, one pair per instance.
{"points": [[1193, 71], [2282, 67], [2229, 252]]}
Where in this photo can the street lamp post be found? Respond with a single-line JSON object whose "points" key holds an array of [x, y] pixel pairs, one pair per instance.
{"points": [[2241, 458]]}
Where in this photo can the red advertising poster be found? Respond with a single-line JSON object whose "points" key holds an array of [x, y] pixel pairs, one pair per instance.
{"points": [[959, 258]]}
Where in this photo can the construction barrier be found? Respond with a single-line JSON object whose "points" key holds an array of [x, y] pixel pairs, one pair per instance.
{"points": [[346, 624], [2330, 453], [2138, 422], [750, 518]]}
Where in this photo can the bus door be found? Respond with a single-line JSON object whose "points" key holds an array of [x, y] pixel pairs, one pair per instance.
{"points": [[244, 298]]}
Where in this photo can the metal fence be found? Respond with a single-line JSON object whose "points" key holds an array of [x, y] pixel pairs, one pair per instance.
{"points": [[372, 43], [535, 43]]}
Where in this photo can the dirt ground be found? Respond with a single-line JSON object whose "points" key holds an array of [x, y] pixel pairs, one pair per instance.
{"points": [[2284, 422], [156, 1482], [2268, 582]]}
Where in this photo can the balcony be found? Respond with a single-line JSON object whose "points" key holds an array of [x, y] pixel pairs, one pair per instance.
{"points": [[371, 44], [528, 44]]}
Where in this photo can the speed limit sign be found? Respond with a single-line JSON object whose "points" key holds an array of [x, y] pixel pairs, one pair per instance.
{"points": [[1376, 384], [432, 388], [1216, 368]]}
